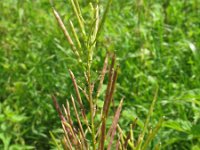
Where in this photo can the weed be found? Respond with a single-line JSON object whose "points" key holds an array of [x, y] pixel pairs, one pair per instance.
{"points": [[101, 136]]}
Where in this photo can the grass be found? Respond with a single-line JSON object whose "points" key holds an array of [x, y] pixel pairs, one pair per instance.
{"points": [[156, 42]]}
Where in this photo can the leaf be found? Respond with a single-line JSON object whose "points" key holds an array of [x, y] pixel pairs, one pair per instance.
{"points": [[55, 141], [195, 130], [192, 47], [2, 117], [20, 147], [196, 147], [100, 103], [6, 140], [179, 125]]}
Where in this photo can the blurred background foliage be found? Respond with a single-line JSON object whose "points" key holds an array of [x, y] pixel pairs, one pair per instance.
{"points": [[156, 42]]}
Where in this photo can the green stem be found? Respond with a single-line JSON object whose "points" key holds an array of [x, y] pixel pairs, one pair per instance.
{"points": [[90, 97]]}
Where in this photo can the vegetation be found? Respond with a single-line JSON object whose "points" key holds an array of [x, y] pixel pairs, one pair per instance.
{"points": [[156, 43], [96, 134]]}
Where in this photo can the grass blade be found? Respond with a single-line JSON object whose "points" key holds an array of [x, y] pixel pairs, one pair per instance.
{"points": [[76, 11], [78, 119], [75, 35], [67, 113], [54, 140], [58, 108], [103, 18], [65, 144], [78, 95], [106, 105], [66, 33], [141, 137], [118, 144], [114, 124], [152, 135], [102, 76]]}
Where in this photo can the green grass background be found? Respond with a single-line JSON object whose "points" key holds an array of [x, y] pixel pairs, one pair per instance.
{"points": [[156, 42]]}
